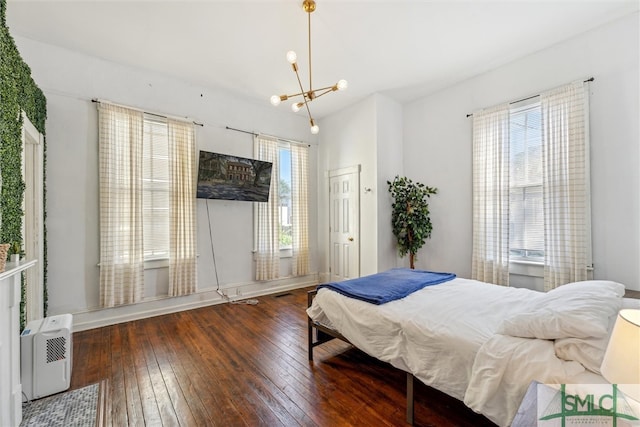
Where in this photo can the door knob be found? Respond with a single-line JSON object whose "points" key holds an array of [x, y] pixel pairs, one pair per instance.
{"points": [[350, 239]]}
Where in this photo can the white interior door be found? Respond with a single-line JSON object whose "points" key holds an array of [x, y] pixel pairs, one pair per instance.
{"points": [[33, 221], [344, 223]]}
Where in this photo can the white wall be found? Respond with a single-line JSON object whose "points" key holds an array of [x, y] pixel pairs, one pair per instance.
{"points": [[347, 139], [70, 80], [389, 155], [368, 134], [437, 145]]}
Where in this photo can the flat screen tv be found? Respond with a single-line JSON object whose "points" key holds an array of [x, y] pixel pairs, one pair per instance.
{"points": [[221, 176]]}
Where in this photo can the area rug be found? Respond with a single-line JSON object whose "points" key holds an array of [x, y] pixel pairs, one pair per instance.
{"points": [[77, 408]]}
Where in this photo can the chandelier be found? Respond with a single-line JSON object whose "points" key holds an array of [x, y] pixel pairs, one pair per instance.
{"points": [[307, 95]]}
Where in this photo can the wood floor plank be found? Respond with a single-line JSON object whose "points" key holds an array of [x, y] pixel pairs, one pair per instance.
{"points": [[287, 376], [116, 379], [134, 404], [222, 408], [188, 410], [234, 377], [247, 365], [253, 385], [161, 393], [143, 357]]}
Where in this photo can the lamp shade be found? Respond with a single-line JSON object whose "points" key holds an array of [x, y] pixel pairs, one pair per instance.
{"points": [[621, 362]]}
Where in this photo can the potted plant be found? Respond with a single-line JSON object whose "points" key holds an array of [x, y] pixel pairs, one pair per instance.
{"points": [[410, 215], [14, 252]]}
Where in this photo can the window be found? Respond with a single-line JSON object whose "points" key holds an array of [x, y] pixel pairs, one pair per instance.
{"points": [[155, 189], [281, 224], [284, 196], [147, 205], [531, 190], [526, 216]]}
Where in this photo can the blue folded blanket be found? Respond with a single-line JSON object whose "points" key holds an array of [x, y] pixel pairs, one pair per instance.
{"points": [[389, 285]]}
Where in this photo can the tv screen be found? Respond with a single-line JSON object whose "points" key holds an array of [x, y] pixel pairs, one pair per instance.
{"points": [[221, 176]]}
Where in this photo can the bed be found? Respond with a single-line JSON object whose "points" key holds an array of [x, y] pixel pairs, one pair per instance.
{"points": [[480, 343]]}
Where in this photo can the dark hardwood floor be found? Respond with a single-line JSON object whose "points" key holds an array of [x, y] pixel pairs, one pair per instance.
{"points": [[247, 365]]}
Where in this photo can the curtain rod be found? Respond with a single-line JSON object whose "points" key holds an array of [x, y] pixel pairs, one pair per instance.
{"points": [[276, 137], [165, 116], [590, 79]]}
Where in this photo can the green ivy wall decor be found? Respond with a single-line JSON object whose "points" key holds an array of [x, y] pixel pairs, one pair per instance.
{"points": [[18, 92], [410, 215]]}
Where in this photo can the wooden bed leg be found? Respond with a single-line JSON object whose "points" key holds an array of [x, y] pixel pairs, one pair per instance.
{"points": [[409, 398]]}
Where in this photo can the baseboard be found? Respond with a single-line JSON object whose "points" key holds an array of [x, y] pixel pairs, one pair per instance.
{"points": [[98, 318]]}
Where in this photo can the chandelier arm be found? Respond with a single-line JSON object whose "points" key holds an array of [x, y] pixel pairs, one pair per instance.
{"points": [[295, 94], [309, 37], [327, 90], [302, 91], [304, 95]]}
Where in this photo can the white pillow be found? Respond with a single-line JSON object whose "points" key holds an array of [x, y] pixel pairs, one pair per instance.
{"points": [[574, 310], [590, 351]]}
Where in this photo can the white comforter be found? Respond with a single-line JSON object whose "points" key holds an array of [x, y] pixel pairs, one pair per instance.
{"points": [[480, 343]]}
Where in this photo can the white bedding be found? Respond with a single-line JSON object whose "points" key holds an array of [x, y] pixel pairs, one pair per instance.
{"points": [[446, 335]]}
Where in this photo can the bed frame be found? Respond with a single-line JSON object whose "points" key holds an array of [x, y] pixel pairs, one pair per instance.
{"points": [[319, 334]]}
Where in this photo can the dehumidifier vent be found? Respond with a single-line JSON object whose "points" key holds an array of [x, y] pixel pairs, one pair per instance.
{"points": [[56, 349]]}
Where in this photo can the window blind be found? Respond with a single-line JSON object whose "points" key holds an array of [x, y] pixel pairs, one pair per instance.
{"points": [[155, 185], [526, 215]]}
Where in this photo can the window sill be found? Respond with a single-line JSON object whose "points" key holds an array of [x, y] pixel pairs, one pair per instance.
{"points": [[526, 268], [286, 253], [156, 263]]}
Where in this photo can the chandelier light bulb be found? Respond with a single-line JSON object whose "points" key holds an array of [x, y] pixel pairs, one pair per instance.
{"points": [[315, 129], [342, 84], [275, 100], [292, 57], [296, 107]]}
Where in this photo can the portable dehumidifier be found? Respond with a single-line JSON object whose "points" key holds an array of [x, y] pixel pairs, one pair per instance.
{"points": [[46, 359]]}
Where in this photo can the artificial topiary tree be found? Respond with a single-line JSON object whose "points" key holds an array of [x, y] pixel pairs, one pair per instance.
{"points": [[410, 215]]}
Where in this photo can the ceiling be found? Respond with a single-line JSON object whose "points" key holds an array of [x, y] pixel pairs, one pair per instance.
{"points": [[403, 49]]}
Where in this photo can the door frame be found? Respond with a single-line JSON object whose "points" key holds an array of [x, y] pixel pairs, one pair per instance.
{"points": [[33, 217]]}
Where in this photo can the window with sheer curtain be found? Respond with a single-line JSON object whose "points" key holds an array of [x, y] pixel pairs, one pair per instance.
{"points": [[281, 224], [531, 187], [147, 203]]}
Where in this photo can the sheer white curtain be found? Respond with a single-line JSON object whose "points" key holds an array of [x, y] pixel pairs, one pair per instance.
{"points": [[182, 205], [120, 172], [300, 203], [566, 184], [267, 239], [490, 253]]}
